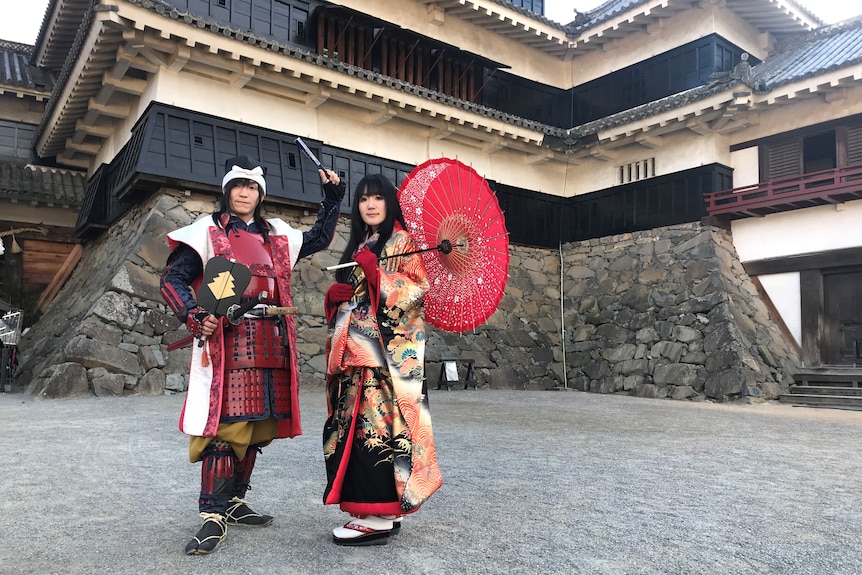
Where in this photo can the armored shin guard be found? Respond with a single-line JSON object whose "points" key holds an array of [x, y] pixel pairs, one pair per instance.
{"points": [[218, 469], [243, 470], [218, 466], [238, 511]]}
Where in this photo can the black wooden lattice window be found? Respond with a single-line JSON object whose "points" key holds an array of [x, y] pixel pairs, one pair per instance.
{"points": [[854, 144], [16, 140]]}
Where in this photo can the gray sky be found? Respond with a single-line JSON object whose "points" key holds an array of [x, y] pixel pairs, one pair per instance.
{"points": [[22, 18]]}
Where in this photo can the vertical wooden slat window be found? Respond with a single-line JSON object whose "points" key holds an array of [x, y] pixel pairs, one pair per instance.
{"points": [[384, 56], [423, 61], [783, 159], [321, 34], [364, 39], [330, 38], [393, 59], [854, 145], [400, 63], [340, 39], [349, 53], [409, 58]]}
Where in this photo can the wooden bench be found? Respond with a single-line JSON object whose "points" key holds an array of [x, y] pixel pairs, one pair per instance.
{"points": [[445, 378]]}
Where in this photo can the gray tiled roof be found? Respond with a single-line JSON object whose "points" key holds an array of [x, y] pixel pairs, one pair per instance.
{"points": [[26, 183], [612, 8], [811, 54], [15, 68], [604, 12], [820, 50], [529, 13], [815, 53]]}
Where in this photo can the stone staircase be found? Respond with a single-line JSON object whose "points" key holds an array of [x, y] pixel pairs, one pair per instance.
{"points": [[827, 386]]}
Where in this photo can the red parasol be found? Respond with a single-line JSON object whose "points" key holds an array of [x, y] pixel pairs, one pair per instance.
{"points": [[442, 200]]}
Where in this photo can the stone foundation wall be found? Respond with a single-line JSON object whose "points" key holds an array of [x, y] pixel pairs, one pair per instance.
{"points": [[663, 313], [670, 313]]}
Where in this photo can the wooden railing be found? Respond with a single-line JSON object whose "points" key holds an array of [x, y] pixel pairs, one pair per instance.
{"points": [[788, 193]]}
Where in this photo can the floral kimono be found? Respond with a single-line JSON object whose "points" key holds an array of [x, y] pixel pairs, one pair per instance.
{"points": [[377, 439]]}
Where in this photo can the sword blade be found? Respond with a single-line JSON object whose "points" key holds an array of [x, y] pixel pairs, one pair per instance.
{"points": [[308, 152]]}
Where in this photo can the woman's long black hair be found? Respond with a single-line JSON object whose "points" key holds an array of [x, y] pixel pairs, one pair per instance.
{"points": [[371, 185], [224, 207]]}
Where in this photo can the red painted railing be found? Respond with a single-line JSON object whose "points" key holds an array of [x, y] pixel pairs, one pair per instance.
{"points": [[789, 193]]}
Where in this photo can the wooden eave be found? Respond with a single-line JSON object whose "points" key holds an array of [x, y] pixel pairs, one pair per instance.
{"points": [[724, 112], [776, 17], [24, 93], [646, 16], [506, 22], [126, 43], [58, 31], [700, 116], [831, 86]]}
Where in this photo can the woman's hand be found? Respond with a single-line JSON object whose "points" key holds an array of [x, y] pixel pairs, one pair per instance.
{"points": [[367, 260], [336, 294]]}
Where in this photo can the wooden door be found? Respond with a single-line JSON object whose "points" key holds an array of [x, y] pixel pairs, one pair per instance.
{"points": [[842, 318]]}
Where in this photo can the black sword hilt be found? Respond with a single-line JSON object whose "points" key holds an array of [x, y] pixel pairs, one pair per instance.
{"points": [[236, 311]]}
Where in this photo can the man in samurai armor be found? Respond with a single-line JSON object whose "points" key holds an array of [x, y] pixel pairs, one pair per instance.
{"points": [[243, 380]]}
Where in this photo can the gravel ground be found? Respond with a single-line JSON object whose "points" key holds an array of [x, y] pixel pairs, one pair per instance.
{"points": [[534, 483]]}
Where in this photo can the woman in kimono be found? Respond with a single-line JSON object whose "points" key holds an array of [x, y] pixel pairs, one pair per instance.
{"points": [[377, 440]]}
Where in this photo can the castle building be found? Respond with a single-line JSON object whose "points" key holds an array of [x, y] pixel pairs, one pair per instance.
{"points": [[637, 123]]}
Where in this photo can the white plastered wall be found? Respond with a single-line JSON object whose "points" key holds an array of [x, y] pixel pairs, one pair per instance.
{"points": [[812, 230], [776, 119], [223, 100], [674, 32], [20, 109], [783, 290], [678, 151], [334, 123]]}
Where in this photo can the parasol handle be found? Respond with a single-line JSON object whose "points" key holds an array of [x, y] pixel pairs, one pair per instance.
{"points": [[340, 266], [445, 247]]}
